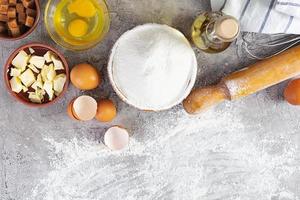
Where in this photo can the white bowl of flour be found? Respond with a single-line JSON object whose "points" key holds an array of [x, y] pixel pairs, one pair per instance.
{"points": [[152, 67]]}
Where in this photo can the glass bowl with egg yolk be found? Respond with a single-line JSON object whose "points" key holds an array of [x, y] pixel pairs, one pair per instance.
{"points": [[77, 24]]}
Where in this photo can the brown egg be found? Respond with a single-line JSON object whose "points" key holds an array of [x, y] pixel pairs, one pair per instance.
{"points": [[85, 77], [292, 92], [106, 111]]}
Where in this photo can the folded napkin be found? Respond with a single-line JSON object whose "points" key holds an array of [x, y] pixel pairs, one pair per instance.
{"points": [[263, 16]]}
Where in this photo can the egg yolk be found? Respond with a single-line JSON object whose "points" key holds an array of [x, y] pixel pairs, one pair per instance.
{"points": [[83, 8], [78, 28]]}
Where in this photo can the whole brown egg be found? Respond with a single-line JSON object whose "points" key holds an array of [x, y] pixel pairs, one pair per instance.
{"points": [[292, 92], [85, 77]]}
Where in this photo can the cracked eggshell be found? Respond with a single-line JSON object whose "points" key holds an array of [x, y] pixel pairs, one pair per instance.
{"points": [[85, 108], [116, 138], [70, 111]]}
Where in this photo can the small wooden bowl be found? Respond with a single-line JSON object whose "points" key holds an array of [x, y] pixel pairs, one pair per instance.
{"points": [[30, 30], [40, 49]]}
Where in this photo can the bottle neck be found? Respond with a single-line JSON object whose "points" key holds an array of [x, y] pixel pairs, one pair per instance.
{"points": [[223, 29]]}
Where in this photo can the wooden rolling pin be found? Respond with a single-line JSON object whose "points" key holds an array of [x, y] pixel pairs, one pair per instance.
{"points": [[247, 81]]}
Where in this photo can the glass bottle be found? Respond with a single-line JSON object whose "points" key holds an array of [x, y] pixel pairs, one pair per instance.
{"points": [[213, 32]]}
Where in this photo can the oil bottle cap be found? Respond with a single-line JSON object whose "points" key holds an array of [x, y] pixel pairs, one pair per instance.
{"points": [[227, 28]]}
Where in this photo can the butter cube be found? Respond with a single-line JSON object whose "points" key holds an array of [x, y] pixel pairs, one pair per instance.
{"points": [[41, 93], [58, 65], [16, 85], [33, 68], [59, 83], [39, 81], [51, 73], [31, 50], [25, 89], [38, 84], [35, 98], [37, 61], [47, 56], [15, 72], [27, 78], [45, 71], [21, 60], [48, 87]]}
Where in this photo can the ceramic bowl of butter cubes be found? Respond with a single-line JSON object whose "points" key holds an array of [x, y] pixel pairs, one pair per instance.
{"points": [[36, 75]]}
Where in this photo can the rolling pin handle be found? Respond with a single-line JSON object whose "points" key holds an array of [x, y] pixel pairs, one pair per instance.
{"points": [[204, 98]]}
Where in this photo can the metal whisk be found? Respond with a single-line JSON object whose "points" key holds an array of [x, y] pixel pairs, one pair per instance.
{"points": [[251, 41]]}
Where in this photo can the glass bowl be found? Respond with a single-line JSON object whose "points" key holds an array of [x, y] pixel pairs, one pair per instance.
{"points": [[84, 45]]}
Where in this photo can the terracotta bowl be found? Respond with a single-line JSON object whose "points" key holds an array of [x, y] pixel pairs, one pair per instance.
{"points": [[30, 30], [40, 49]]}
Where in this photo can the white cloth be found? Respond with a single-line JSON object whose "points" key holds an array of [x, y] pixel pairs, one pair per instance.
{"points": [[263, 16]]}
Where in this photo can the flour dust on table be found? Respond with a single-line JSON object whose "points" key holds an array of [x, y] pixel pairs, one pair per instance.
{"points": [[208, 157]]}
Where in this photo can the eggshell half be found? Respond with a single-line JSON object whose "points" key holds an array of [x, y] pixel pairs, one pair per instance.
{"points": [[85, 108], [70, 111], [116, 138]]}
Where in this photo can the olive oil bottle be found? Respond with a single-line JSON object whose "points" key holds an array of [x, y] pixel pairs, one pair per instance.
{"points": [[213, 32]]}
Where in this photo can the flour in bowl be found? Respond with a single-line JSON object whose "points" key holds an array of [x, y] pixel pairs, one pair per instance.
{"points": [[153, 67]]}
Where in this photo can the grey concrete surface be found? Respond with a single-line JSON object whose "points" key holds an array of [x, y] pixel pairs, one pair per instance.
{"points": [[243, 150]]}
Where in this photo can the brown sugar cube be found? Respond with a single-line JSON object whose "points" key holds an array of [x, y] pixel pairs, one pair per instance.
{"points": [[12, 2], [21, 18], [12, 24], [30, 12], [3, 9], [2, 27], [20, 7], [5, 2], [3, 18], [15, 32], [12, 13], [28, 3], [29, 21]]}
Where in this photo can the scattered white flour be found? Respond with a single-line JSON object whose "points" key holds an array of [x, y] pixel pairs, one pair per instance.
{"points": [[210, 157], [153, 67]]}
